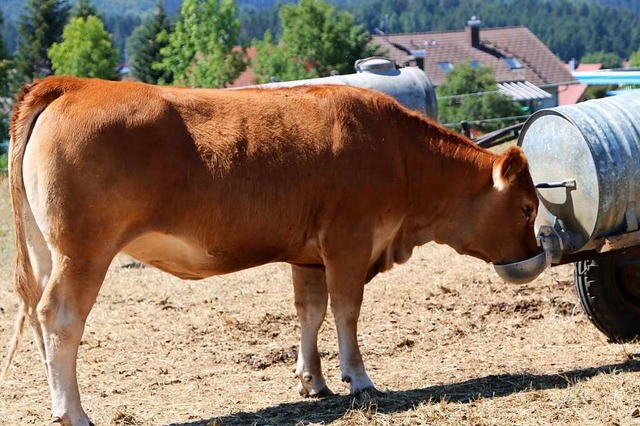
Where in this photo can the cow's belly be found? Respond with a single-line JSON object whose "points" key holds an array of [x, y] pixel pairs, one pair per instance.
{"points": [[185, 258]]}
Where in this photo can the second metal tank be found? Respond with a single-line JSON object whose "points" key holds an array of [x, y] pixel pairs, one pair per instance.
{"points": [[409, 85]]}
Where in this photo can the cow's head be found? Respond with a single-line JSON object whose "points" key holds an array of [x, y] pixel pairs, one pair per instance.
{"points": [[503, 232]]}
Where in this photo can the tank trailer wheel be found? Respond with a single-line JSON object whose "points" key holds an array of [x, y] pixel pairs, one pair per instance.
{"points": [[609, 290]]}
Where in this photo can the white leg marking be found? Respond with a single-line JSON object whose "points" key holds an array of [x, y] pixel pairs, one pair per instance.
{"points": [[351, 364], [346, 287]]}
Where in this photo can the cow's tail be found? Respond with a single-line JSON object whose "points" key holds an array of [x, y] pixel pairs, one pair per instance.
{"points": [[31, 101]]}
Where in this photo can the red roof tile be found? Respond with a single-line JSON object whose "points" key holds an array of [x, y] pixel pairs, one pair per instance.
{"points": [[539, 65]]}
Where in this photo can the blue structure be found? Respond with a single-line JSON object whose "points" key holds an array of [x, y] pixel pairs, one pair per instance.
{"points": [[606, 77]]}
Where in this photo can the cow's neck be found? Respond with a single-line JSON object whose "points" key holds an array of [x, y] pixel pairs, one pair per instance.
{"points": [[447, 174]]}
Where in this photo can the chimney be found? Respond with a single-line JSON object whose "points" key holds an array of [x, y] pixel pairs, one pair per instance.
{"points": [[473, 31], [573, 64]]}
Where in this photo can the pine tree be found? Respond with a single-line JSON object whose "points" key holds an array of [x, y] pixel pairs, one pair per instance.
{"points": [[4, 87], [84, 9], [201, 49], [3, 49], [40, 28], [143, 47], [86, 50]]}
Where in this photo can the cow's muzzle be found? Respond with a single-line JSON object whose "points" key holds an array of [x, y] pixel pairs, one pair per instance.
{"points": [[526, 270]]}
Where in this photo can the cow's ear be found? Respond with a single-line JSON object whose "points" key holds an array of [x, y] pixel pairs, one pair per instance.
{"points": [[507, 166]]}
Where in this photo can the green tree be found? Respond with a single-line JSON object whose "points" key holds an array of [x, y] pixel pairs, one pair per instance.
{"points": [[275, 62], [4, 68], [597, 91], [86, 50], [316, 39], [634, 60], [608, 60], [4, 88], [201, 49], [40, 28], [3, 48], [144, 45], [84, 9], [481, 100]]}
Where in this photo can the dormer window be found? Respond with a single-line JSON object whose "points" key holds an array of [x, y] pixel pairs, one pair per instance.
{"points": [[445, 66], [512, 63]]}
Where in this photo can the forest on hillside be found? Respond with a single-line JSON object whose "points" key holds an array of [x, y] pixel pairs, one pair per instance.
{"points": [[13, 8], [570, 28], [633, 5]]}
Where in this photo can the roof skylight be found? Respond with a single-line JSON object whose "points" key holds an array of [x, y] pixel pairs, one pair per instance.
{"points": [[445, 66], [512, 63]]}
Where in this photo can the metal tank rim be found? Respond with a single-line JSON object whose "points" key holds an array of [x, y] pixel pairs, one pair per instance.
{"points": [[558, 112]]}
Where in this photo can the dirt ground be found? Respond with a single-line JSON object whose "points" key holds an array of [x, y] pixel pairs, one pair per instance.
{"points": [[447, 341]]}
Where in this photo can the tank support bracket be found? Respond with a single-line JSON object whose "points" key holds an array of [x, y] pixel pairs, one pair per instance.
{"points": [[617, 242]]}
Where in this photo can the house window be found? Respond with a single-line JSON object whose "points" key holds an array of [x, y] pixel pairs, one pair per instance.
{"points": [[474, 64], [445, 66], [512, 63]]}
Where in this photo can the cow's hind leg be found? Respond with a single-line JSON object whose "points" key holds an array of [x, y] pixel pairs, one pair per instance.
{"points": [[62, 312], [310, 290]]}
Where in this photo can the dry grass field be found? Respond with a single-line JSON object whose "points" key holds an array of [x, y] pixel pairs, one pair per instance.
{"points": [[447, 341]]}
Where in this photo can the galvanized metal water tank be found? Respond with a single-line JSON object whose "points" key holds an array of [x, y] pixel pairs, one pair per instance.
{"points": [[409, 85], [588, 155]]}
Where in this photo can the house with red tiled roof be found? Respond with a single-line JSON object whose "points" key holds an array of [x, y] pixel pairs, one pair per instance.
{"points": [[521, 63], [573, 93]]}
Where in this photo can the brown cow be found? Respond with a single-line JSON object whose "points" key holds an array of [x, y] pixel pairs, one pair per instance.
{"points": [[340, 182]]}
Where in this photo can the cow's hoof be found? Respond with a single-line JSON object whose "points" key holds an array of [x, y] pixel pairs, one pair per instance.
{"points": [[322, 393], [369, 393], [61, 421]]}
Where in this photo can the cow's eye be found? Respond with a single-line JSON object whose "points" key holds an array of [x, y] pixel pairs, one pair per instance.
{"points": [[527, 212]]}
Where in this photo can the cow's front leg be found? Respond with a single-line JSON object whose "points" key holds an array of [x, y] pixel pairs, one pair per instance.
{"points": [[62, 312], [310, 290], [345, 283]]}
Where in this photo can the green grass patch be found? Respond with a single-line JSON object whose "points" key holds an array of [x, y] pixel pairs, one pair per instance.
{"points": [[4, 161]]}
